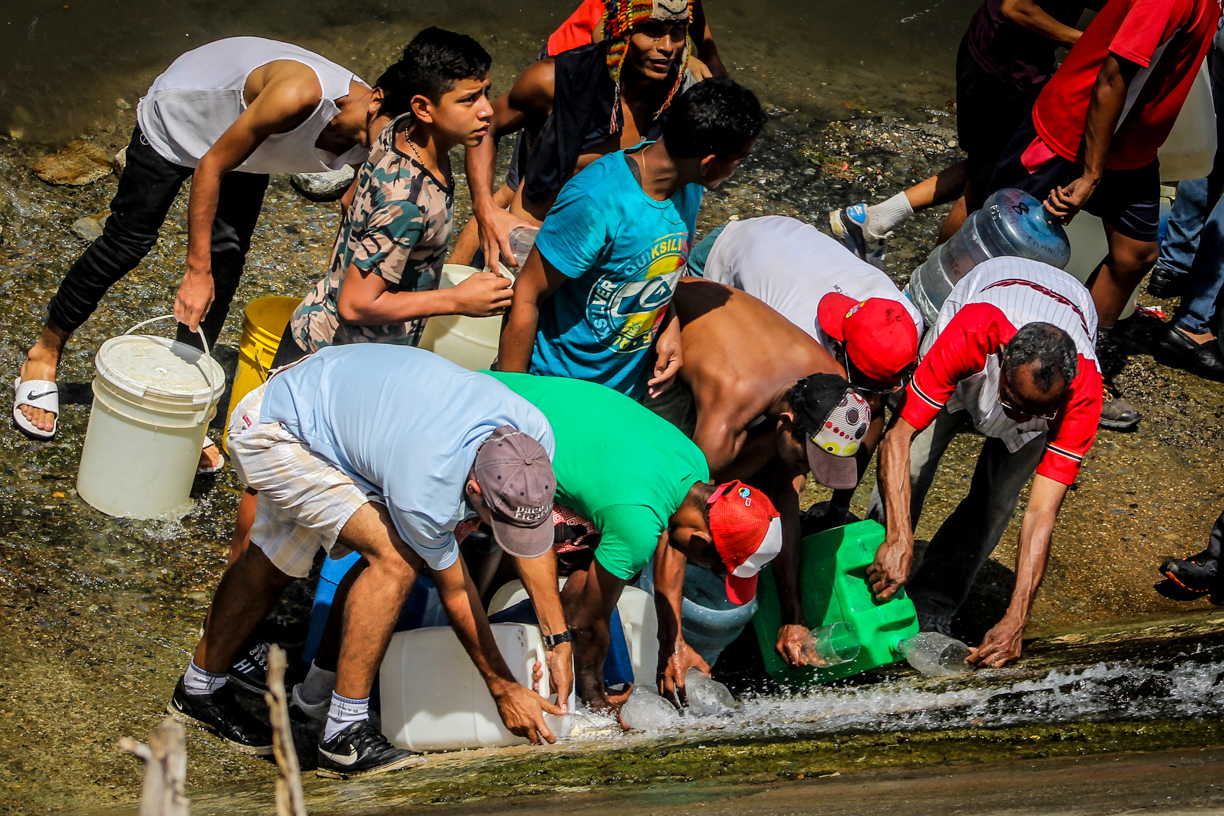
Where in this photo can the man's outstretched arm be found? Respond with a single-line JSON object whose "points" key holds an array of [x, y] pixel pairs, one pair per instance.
{"points": [[891, 567], [1002, 643]]}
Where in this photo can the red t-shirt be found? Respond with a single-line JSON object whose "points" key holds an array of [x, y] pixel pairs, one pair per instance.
{"points": [[1167, 39], [578, 29], [963, 350]]}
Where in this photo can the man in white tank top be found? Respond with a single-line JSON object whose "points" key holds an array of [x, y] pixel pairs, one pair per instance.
{"points": [[847, 305], [226, 115]]}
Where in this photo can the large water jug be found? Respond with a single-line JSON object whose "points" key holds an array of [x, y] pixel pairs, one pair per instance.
{"points": [[434, 699], [153, 399], [708, 620], [1190, 149], [639, 622], [470, 342], [1011, 222], [833, 581]]}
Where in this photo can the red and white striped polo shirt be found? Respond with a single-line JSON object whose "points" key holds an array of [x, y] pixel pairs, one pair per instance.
{"points": [[960, 369]]}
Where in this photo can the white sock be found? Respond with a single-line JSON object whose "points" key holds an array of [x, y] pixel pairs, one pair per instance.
{"points": [[317, 686], [196, 681], [343, 713], [886, 216]]}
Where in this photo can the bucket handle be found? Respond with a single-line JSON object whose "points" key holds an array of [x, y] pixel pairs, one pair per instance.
{"points": [[203, 339]]}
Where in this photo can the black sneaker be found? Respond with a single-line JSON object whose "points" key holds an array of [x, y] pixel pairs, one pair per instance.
{"points": [[361, 750], [1195, 574], [221, 714], [1167, 284], [250, 670]]}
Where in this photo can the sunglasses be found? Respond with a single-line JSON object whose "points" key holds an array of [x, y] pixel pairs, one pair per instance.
{"points": [[1006, 405], [870, 391]]}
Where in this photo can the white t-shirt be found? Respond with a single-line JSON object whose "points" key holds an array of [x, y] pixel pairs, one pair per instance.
{"points": [[792, 265]]}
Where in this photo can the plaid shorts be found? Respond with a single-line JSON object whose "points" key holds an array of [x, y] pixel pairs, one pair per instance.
{"points": [[304, 500]]}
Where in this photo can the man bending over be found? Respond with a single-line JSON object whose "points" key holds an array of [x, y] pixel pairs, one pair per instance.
{"points": [[383, 451]]}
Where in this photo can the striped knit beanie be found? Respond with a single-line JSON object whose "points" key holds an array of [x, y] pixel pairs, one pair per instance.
{"points": [[619, 18]]}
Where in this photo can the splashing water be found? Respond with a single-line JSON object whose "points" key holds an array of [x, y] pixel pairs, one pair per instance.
{"points": [[1104, 692]]}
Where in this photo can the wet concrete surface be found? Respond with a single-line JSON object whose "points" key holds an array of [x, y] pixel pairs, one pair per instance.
{"points": [[99, 615]]}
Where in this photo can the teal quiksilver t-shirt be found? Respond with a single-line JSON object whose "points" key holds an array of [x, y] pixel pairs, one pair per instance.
{"points": [[623, 252], [617, 463]]}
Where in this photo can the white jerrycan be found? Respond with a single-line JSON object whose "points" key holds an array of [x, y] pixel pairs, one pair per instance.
{"points": [[639, 621], [433, 699], [470, 342]]}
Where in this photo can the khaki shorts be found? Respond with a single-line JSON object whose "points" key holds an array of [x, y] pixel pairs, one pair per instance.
{"points": [[304, 500]]}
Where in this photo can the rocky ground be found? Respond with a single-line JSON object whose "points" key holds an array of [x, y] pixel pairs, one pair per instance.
{"points": [[99, 614]]}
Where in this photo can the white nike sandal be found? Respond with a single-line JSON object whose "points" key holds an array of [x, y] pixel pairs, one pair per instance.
{"points": [[209, 471], [42, 394]]}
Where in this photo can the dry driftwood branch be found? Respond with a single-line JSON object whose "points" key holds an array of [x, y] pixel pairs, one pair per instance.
{"points": [[165, 758], [289, 798]]}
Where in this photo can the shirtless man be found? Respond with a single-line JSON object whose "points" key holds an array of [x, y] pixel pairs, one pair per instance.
{"points": [[580, 105], [762, 389], [224, 115]]}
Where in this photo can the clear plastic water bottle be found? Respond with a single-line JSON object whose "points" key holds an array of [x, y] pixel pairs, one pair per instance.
{"points": [[706, 697], [1011, 222], [522, 239], [936, 655], [831, 645], [645, 710]]}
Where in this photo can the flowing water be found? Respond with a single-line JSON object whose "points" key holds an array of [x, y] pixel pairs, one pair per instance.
{"points": [[98, 616]]}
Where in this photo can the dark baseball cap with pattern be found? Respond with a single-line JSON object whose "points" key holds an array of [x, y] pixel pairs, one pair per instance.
{"points": [[518, 484]]}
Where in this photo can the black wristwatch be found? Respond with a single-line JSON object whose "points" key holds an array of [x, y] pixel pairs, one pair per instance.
{"points": [[552, 640]]}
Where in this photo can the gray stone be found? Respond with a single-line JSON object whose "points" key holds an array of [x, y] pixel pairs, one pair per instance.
{"points": [[323, 186], [90, 227], [123, 104], [77, 164]]}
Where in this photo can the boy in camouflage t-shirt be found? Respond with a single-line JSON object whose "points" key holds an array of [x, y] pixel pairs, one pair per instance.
{"points": [[385, 266]]}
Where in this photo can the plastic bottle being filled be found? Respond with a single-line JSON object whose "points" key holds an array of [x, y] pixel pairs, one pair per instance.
{"points": [[831, 645], [1011, 222], [645, 710], [936, 655], [706, 697]]}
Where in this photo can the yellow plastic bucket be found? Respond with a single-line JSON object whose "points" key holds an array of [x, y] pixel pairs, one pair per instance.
{"points": [[262, 326]]}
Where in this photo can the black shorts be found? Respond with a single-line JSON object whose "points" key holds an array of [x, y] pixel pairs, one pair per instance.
{"points": [[988, 111], [1127, 200]]}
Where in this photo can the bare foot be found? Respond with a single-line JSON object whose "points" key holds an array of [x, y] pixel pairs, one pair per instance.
{"points": [[34, 369], [210, 457]]}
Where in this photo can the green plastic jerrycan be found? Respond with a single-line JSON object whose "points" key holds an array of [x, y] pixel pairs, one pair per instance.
{"points": [[833, 586]]}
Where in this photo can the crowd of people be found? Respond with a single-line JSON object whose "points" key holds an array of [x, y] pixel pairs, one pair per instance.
{"points": [[658, 400]]}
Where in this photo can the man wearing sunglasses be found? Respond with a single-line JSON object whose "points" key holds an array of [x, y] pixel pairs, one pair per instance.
{"points": [[768, 404], [1013, 353], [844, 303]]}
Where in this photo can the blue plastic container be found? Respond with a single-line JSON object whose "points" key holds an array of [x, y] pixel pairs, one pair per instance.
{"points": [[1011, 222], [708, 621]]}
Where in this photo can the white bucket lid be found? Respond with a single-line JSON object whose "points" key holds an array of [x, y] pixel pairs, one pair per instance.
{"points": [[160, 369]]}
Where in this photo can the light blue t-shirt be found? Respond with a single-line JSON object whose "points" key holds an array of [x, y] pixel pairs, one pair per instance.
{"points": [[624, 251], [406, 424]]}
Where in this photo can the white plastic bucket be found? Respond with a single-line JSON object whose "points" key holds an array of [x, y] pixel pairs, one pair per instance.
{"points": [[153, 399], [470, 342], [1190, 149], [433, 699], [639, 622]]}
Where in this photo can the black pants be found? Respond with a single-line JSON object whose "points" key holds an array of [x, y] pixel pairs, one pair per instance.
{"points": [[147, 190]]}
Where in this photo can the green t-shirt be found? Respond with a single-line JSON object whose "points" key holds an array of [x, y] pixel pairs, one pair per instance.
{"points": [[617, 463]]}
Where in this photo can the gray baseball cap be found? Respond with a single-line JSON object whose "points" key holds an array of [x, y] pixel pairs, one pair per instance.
{"points": [[518, 484]]}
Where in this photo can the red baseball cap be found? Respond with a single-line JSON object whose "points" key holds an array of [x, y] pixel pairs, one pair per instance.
{"points": [[747, 533], [880, 337]]}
